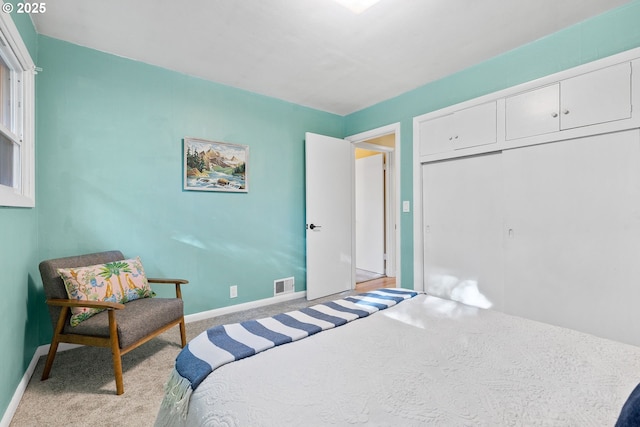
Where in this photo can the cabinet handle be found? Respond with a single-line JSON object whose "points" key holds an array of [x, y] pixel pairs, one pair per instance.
{"points": [[565, 112], [554, 114]]}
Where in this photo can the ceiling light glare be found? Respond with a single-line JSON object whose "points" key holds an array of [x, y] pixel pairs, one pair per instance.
{"points": [[357, 6]]}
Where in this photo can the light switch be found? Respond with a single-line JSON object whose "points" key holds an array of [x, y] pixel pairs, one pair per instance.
{"points": [[405, 206]]}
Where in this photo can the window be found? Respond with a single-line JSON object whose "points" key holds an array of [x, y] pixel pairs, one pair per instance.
{"points": [[17, 160]]}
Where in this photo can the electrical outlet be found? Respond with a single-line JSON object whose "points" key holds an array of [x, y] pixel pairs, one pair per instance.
{"points": [[233, 291]]}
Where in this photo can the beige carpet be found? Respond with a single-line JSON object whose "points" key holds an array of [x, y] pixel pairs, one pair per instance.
{"points": [[81, 388]]}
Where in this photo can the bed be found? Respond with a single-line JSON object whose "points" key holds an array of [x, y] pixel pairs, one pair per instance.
{"points": [[421, 361]]}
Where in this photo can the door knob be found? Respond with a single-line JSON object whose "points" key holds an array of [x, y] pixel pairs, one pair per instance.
{"points": [[313, 226]]}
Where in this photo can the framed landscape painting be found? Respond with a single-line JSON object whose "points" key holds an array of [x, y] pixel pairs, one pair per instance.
{"points": [[215, 166]]}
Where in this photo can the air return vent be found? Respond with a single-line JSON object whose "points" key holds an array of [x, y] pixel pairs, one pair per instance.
{"points": [[283, 286]]}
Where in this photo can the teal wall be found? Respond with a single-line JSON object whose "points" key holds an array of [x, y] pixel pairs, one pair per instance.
{"points": [[602, 36], [20, 302], [110, 175], [109, 171]]}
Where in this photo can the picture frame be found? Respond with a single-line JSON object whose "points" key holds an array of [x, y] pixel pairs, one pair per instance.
{"points": [[215, 166]]}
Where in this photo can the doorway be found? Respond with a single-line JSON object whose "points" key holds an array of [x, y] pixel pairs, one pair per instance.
{"points": [[370, 212], [330, 206], [379, 257]]}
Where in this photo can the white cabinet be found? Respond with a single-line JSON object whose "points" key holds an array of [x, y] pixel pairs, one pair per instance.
{"points": [[465, 128], [533, 113], [462, 211], [544, 223], [596, 97], [436, 135]]}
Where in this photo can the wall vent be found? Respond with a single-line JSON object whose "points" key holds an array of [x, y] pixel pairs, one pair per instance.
{"points": [[283, 286]]}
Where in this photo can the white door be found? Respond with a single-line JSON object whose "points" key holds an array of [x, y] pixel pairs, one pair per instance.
{"points": [[370, 213], [463, 245], [573, 211], [329, 174]]}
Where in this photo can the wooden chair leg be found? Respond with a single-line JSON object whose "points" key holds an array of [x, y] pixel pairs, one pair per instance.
{"points": [[54, 343], [183, 333], [115, 352], [52, 355]]}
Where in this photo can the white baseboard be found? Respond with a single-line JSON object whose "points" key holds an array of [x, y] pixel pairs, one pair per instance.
{"points": [[43, 350], [241, 307], [22, 386]]}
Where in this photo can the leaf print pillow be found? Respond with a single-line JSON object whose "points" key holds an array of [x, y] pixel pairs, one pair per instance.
{"points": [[118, 281]]}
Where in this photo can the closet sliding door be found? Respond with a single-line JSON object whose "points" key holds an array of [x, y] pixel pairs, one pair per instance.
{"points": [[463, 237], [572, 245]]}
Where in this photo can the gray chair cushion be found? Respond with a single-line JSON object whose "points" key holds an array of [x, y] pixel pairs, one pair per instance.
{"points": [[137, 320]]}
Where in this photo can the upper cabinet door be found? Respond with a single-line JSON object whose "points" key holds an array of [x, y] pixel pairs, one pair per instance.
{"points": [[465, 128], [436, 135], [475, 126], [597, 97], [533, 113]]}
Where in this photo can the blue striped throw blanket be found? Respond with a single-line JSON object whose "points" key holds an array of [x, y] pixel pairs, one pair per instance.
{"points": [[223, 344]]}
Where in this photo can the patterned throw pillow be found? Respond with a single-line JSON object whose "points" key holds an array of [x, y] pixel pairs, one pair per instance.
{"points": [[118, 281]]}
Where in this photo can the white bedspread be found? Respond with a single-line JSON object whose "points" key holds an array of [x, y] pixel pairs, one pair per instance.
{"points": [[426, 361]]}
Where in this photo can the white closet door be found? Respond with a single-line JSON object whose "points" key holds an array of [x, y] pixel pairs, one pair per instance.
{"points": [[463, 243], [573, 226]]}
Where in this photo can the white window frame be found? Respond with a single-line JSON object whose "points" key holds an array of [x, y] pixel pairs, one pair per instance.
{"points": [[23, 193]]}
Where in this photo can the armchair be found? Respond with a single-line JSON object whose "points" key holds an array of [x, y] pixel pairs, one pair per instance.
{"points": [[120, 327]]}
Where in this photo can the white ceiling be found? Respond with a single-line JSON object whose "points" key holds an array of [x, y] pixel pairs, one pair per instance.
{"points": [[312, 52]]}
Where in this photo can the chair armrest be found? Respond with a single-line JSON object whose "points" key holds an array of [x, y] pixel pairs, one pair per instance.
{"points": [[83, 303], [177, 282]]}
